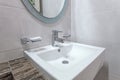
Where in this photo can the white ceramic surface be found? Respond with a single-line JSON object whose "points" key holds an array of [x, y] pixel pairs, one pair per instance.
{"points": [[79, 56]]}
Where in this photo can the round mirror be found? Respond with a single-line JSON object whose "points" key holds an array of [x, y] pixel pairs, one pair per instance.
{"points": [[48, 11]]}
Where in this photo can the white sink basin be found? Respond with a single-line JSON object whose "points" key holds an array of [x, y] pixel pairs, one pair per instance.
{"points": [[72, 61]]}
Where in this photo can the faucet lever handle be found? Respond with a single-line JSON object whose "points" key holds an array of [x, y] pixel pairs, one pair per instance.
{"points": [[66, 36], [56, 31]]}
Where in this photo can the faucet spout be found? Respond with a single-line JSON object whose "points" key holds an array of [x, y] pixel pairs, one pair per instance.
{"points": [[56, 38]]}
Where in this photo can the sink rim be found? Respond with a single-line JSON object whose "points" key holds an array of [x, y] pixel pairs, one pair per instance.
{"points": [[52, 70]]}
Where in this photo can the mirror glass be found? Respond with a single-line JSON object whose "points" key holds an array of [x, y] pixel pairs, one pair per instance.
{"points": [[46, 10]]}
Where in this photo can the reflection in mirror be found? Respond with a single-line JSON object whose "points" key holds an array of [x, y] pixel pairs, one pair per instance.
{"points": [[48, 8], [36, 4]]}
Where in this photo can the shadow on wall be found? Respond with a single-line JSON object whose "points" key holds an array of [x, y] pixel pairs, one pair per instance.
{"points": [[103, 73]]}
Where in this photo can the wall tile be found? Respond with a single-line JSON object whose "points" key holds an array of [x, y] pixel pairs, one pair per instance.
{"points": [[11, 55], [16, 22], [12, 3], [9, 28], [97, 22]]}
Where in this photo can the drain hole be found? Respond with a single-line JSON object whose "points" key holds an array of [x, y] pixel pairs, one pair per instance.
{"points": [[65, 62], [59, 50]]}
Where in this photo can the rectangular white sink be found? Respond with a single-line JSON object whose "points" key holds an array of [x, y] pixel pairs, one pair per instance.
{"points": [[71, 61]]}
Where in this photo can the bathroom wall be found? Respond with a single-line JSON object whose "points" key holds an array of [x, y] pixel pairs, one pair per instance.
{"points": [[97, 22], [17, 22]]}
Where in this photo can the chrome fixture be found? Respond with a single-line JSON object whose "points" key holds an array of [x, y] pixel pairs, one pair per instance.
{"points": [[66, 36], [28, 40], [56, 38]]}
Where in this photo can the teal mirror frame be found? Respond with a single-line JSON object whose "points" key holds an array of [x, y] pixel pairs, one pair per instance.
{"points": [[37, 15]]}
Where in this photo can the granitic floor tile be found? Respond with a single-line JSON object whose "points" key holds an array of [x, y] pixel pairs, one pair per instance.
{"points": [[4, 68], [18, 64], [5, 73], [7, 76], [22, 69]]}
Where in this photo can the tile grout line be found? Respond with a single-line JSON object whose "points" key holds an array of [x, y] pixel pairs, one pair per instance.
{"points": [[10, 69]]}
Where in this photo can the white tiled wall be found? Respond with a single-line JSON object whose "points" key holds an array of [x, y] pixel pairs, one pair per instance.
{"points": [[97, 22], [17, 22]]}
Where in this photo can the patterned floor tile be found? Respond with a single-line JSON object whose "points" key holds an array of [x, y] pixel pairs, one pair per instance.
{"points": [[22, 69], [4, 68]]}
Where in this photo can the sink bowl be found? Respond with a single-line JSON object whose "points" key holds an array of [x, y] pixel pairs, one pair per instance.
{"points": [[69, 61]]}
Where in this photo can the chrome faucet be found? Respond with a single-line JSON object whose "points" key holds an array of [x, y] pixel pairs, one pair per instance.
{"points": [[56, 38]]}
